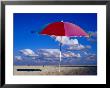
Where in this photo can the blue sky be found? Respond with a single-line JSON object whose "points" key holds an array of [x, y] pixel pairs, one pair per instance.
{"points": [[24, 23]]}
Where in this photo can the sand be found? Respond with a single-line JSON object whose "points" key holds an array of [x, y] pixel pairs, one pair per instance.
{"points": [[54, 70]]}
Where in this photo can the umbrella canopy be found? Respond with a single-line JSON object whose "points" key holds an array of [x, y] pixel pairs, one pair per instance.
{"points": [[64, 29]]}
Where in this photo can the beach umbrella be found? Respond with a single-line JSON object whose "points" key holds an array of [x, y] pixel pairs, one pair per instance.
{"points": [[63, 29]]}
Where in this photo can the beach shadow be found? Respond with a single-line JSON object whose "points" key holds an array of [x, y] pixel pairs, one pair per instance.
{"points": [[29, 70]]}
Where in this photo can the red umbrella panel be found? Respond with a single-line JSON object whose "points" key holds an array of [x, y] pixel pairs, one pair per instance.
{"points": [[63, 29]]}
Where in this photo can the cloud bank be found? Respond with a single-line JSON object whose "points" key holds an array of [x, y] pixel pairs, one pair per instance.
{"points": [[28, 52], [55, 53], [73, 44], [48, 54]]}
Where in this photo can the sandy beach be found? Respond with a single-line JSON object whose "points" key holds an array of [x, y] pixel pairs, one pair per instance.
{"points": [[54, 70]]}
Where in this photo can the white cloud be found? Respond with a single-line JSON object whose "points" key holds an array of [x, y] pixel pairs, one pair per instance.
{"points": [[19, 58], [48, 52], [68, 54], [66, 40], [28, 52], [71, 54], [77, 47], [92, 57], [78, 55], [72, 43]]}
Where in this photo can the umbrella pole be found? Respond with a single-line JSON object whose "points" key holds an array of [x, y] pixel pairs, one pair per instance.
{"points": [[60, 53]]}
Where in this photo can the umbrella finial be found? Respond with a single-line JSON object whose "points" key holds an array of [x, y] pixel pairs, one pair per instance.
{"points": [[62, 21]]}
